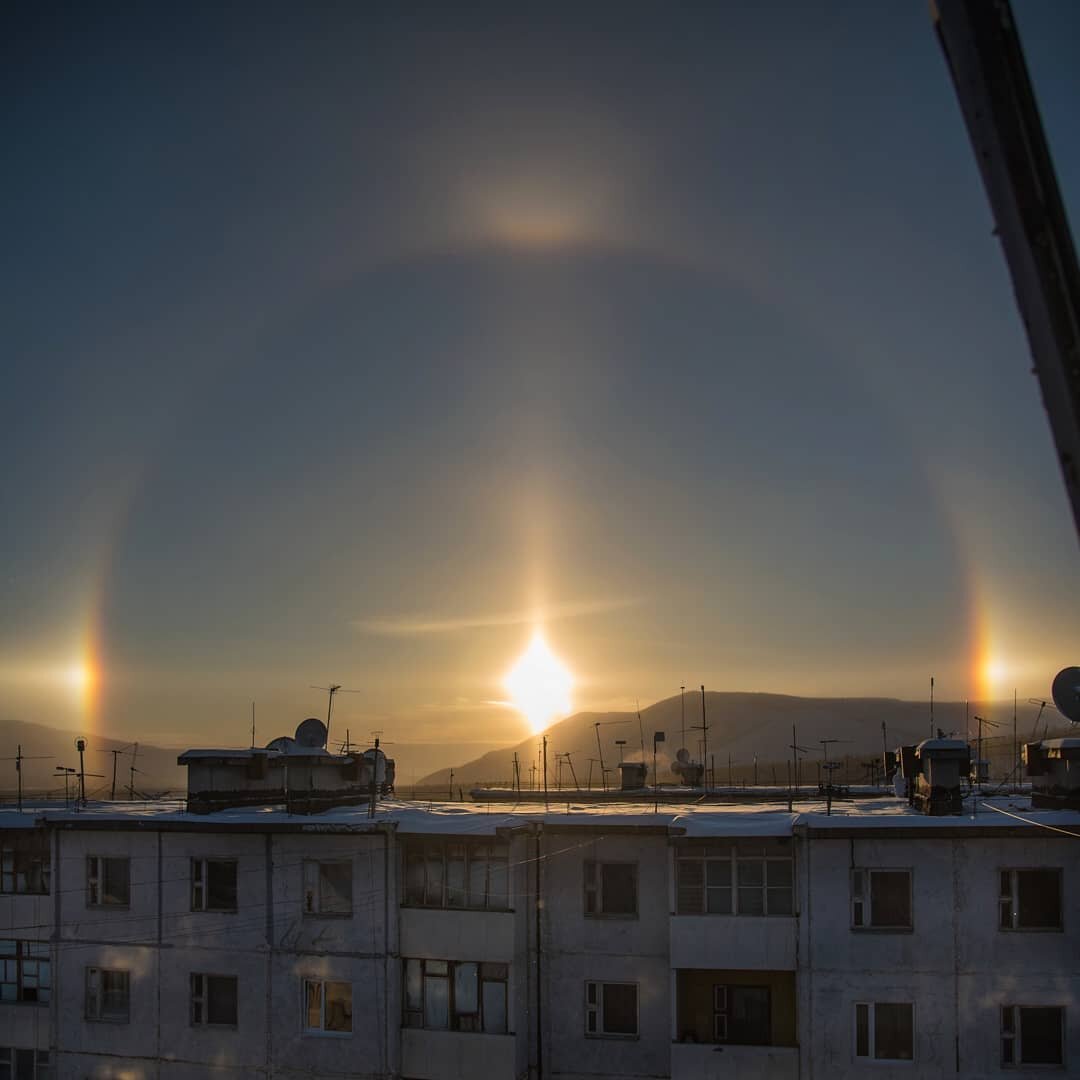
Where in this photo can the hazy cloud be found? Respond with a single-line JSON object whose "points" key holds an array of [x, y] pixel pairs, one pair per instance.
{"points": [[416, 625]]}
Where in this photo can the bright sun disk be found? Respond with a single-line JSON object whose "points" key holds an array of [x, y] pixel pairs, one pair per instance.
{"points": [[539, 684]]}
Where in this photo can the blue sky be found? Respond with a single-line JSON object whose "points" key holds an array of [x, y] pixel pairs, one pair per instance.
{"points": [[343, 340]]}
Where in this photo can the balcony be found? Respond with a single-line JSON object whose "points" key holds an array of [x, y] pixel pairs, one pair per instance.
{"points": [[690, 1061], [765, 943], [458, 935], [449, 1055]]}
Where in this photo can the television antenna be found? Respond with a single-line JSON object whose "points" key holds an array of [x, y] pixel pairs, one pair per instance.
{"points": [[599, 748], [19, 758], [1042, 705], [331, 690]]}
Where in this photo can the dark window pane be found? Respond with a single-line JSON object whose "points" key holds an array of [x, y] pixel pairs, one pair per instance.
{"points": [[335, 888], [751, 872], [748, 1015], [890, 898], [620, 1009], [413, 986], [466, 993], [1040, 898], [690, 891], [780, 901], [414, 878], [498, 882], [619, 894], [1040, 1036], [751, 901], [455, 876], [862, 1030], [436, 1002], [221, 999], [778, 873], [115, 889], [221, 886], [894, 1032], [434, 896], [495, 1007]]}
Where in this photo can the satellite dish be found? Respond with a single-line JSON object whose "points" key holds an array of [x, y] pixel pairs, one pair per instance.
{"points": [[682, 756], [311, 734], [1066, 693], [283, 743]]}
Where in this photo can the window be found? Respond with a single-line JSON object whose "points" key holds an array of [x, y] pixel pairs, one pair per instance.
{"points": [[611, 1009], [25, 1064], [734, 879], [881, 899], [108, 881], [1030, 900], [1032, 1036], [610, 888], [742, 1015], [213, 1001], [449, 995], [327, 1006], [25, 971], [328, 888], [457, 874], [108, 995], [213, 885], [885, 1031], [24, 863]]}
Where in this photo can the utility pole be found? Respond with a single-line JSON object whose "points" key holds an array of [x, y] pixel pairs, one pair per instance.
{"points": [[80, 745], [931, 706], [705, 737], [682, 715], [658, 737], [545, 773], [131, 786]]}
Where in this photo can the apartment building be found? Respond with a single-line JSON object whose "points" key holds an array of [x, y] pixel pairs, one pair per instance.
{"points": [[453, 942]]}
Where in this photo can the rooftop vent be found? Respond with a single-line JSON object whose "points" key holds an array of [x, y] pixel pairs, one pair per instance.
{"points": [[1054, 768]]}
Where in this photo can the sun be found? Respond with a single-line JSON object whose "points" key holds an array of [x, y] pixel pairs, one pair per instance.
{"points": [[539, 684]]}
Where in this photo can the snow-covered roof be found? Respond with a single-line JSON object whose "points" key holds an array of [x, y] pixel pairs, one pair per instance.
{"points": [[485, 819]]}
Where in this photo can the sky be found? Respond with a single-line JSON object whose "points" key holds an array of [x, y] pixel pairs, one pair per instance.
{"points": [[352, 343]]}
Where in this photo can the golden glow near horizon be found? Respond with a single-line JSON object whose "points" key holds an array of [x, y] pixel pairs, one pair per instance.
{"points": [[539, 684]]}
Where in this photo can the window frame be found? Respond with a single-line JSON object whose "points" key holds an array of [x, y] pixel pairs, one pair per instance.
{"points": [[722, 1002], [16, 851], [322, 1031], [414, 1013], [203, 997], [861, 906], [313, 890], [870, 1058], [596, 889], [22, 957], [42, 1069], [1015, 1038], [200, 884], [595, 1009], [422, 850], [95, 882], [1013, 899], [97, 995], [731, 856]]}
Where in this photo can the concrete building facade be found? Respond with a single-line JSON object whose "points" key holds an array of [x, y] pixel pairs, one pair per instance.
{"points": [[458, 942]]}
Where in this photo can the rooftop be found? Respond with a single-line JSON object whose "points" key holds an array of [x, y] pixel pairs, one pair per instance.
{"points": [[991, 812]]}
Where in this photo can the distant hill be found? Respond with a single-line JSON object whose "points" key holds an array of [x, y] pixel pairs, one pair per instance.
{"points": [[46, 747], [741, 725]]}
